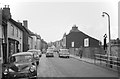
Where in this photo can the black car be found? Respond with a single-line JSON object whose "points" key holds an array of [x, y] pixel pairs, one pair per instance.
{"points": [[21, 65]]}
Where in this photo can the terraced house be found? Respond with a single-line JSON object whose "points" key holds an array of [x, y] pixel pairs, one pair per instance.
{"points": [[0, 33], [11, 34], [14, 35]]}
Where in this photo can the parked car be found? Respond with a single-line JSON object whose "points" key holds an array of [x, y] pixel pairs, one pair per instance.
{"points": [[64, 53], [49, 53], [43, 51], [21, 65], [37, 54]]}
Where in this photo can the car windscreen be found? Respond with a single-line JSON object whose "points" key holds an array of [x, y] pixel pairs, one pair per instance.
{"points": [[49, 50], [21, 58], [64, 51]]}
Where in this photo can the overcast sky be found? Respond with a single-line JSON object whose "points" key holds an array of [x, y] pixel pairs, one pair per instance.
{"points": [[51, 19]]}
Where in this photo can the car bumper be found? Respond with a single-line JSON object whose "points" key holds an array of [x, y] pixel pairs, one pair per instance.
{"points": [[64, 55], [49, 55], [20, 75]]}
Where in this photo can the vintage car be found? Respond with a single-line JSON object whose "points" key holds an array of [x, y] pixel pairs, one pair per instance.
{"points": [[49, 53], [37, 54], [64, 53], [21, 65]]}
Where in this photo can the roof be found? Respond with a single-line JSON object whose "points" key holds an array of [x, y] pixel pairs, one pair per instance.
{"points": [[19, 25], [22, 53], [75, 30], [16, 24]]}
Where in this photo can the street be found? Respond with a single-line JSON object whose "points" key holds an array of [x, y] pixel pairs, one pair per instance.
{"points": [[70, 67]]}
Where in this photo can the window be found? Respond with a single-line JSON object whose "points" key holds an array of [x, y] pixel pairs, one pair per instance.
{"points": [[20, 34], [17, 31], [12, 30]]}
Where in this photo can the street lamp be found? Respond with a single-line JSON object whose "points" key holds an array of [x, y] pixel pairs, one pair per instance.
{"points": [[109, 48], [109, 31]]}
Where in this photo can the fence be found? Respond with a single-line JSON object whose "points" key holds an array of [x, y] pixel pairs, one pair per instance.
{"points": [[112, 62]]}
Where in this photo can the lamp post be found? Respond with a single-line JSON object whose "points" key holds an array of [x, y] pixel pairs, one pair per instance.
{"points": [[109, 31], [109, 47]]}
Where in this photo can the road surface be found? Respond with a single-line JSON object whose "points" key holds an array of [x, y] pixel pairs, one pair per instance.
{"points": [[70, 67]]}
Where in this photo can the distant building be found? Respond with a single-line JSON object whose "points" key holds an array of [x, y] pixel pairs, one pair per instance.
{"points": [[44, 44], [76, 38], [64, 41], [38, 42], [27, 37]]}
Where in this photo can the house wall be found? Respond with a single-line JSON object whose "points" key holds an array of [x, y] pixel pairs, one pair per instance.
{"points": [[30, 40], [0, 39], [0, 32], [39, 44], [34, 41], [25, 41], [79, 40], [15, 33]]}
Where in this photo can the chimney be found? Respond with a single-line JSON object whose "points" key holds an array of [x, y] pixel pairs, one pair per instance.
{"points": [[25, 23], [6, 12], [19, 23], [74, 27]]}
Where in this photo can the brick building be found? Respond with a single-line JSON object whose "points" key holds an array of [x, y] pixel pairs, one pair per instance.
{"points": [[80, 39]]}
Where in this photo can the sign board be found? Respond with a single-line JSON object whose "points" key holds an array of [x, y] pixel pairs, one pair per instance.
{"points": [[72, 44], [86, 42]]}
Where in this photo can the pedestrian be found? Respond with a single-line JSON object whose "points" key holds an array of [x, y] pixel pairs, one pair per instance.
{"points": [[81, 52]]}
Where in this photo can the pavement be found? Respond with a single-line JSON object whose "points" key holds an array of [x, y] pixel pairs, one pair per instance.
{"points": [[88, 60], [70, 67], [95, 62]]}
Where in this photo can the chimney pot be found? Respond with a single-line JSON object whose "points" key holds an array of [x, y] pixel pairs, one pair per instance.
{"points": [[25, 23]]}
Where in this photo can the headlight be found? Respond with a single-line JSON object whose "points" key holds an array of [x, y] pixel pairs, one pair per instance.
{"points": [[32, 69], [10, 70], [5, 72]]}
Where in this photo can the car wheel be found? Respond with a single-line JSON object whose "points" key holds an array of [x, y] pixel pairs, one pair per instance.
{"points": [[32, 78]]}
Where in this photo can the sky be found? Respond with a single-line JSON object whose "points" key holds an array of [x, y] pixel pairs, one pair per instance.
{"points": [[52, 18]]}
